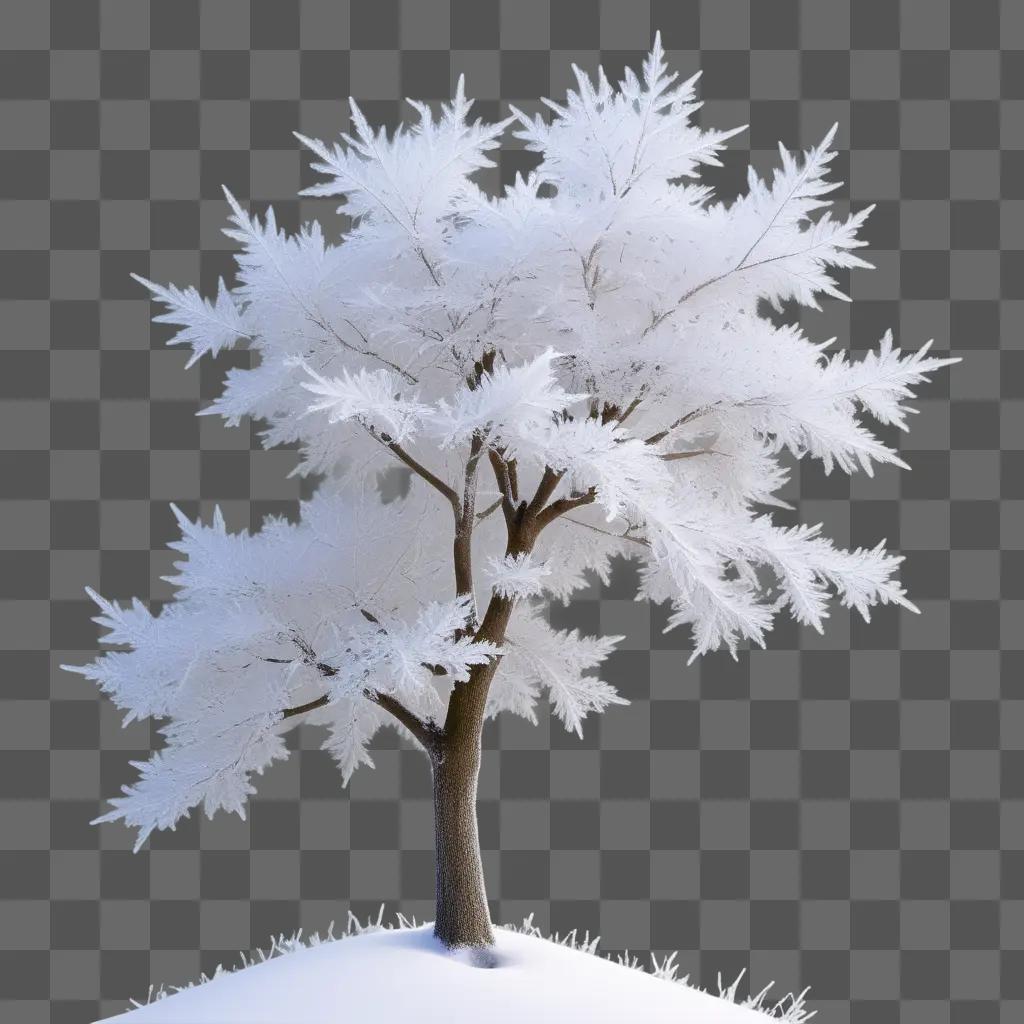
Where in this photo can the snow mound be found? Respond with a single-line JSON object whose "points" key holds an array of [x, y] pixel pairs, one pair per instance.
{"points": [[403, 974]]}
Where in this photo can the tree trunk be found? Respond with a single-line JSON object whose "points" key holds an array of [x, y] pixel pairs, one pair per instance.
{"points": [[462, 917], [461, 914]]}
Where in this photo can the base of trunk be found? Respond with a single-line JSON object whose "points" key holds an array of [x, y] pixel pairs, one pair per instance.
{"points": [[472, 932]]}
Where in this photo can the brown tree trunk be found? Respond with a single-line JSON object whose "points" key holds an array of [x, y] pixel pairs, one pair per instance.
{"points": [[461, 914], [462, 917]]}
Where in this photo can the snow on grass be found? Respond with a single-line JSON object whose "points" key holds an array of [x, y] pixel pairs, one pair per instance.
{"points": [[386, 973]]}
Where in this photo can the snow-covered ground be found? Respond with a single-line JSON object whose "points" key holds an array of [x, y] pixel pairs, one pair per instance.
{"points": [[403, 974]]}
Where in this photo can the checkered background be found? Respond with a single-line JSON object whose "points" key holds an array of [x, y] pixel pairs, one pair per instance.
{"points": [[845, 812]]}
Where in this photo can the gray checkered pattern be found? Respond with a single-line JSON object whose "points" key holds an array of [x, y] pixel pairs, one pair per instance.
{"points": [[843, 811]]}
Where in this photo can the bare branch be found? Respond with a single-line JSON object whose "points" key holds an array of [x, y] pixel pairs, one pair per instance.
{"points": [[462, 546], [484, 365], [493, 507], [418, 468], [513, 478], [675, 456], [430, 268], [631, 408], [501, 474], [548, 482], [692, 415], [476, 447], [366, 350], [415, 725], [607, 533], [563, 505], [465, 516], [303, 708], [427, 732], [503, 477]]}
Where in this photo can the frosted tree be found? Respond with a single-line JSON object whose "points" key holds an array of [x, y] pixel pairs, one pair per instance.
{"points": [[574, 370]]}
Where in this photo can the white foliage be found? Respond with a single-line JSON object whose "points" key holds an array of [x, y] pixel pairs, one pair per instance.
{"points": [[508, 403], [608, 142], [369, 396], [351, 722], [413, 180], [392, 656], [585, 546], [597, 326], [560, 662], [807, 564], [207, 327], [621, 468], [881, 381], [258, 621], [517, 575], [784, 253], [274, 268]]}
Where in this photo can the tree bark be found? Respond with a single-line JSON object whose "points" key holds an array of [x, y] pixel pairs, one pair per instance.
{"points": [[462, 917]]}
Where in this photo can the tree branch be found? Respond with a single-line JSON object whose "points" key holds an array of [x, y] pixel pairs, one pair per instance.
{"points": [[465, 515], [493, 507], [303, 708], [476, 448], [631, 408], [675, 456], [608, 533], [426, 732], [563, 505], [484, 365], [467, 704], [367, 351], [660, 318], [418, 468], [548, 482], [435, 670], [513, 479], [504, 480], [462, 545], [430, 269], [692, 415]]}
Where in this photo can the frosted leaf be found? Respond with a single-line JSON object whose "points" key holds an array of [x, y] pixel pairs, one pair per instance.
{"points": [[517, 575], [508, 402], [371, 397], [559, 662], [206, 326]]}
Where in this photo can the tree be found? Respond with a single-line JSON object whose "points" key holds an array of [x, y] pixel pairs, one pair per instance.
{"points": [[576, 370]]}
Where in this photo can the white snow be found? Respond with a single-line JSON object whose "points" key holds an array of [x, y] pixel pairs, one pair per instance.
{"points": [[398, 975]]}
